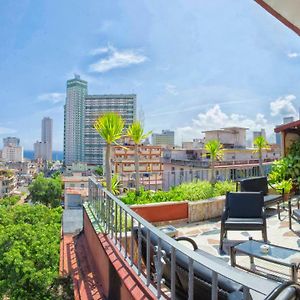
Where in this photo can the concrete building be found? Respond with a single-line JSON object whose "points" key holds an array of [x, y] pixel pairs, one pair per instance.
{"points": [[47, 129], [195, 144], [150, 165], [261, 132], [230, 137], [165, 138], [8, 182], [12, 151], [96, 105], [74, 120], [11, 141]]}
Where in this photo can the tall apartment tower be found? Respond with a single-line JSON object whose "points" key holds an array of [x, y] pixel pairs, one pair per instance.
{"points": [[96, 105], [47, 128], [165, 138], [74, 120], [11, 141]]}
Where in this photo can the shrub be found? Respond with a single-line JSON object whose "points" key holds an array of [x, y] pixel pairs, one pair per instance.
{"points": [[193, 191]]}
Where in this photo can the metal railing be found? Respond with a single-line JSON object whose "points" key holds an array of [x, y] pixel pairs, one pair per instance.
{"points": [[164, 180], [119, 222]]}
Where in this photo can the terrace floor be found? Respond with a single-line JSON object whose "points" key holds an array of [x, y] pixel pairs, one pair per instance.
{"points": [[207, 234]]}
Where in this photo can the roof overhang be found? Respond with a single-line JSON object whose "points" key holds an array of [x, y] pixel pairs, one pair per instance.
{"points": [[286, 11], [293, 126]]}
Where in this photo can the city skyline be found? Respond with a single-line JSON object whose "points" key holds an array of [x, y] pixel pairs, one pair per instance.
{"points": [[190, 64]]}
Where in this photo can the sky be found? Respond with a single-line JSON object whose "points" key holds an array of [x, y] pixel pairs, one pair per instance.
{"points": [[194, 64]]}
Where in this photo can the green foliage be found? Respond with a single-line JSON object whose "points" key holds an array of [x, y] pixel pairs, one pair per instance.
{"points": [[47, 191], [110, 127], [260, 143], [9, 201], [29, 252], [192, 191], [215, 150], [115, 184], [136, 132], [99, 171], [286, 185], [288, 167]]}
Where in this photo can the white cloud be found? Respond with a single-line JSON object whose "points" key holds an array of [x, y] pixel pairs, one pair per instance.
{"points": [[100, 50], [215, 118], [116, 59], [284, 106], [293, 54], [5, 130], [171, 89], [52, 97]]}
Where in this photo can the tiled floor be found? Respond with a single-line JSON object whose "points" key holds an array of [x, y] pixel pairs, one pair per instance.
{"points": [[207, 234]]}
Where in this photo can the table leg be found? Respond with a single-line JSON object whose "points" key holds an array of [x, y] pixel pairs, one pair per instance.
{"points": [[252, 265], [232, 256], [294, 270]]}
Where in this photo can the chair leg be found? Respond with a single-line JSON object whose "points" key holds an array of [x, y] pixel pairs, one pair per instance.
{"points": [[278, 211], [264, 234], [222, 235]]}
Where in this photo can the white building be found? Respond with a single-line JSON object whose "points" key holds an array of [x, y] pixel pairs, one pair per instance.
{"points": [[43, 149], [165, 138], [47, 129], [12, 151], [230, 137]]}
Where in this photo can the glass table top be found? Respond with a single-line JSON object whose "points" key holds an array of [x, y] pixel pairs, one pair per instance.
{"points": [[276, 253]]}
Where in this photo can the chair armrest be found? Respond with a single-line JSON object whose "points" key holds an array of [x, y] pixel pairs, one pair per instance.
{"points": [[276, 189], [187, 239]]}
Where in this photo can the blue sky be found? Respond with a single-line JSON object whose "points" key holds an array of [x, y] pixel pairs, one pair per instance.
{"points": [[194, 65]]}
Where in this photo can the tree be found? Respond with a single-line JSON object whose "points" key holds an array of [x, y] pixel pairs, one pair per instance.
{"points": [[215, 151], [47, 191], [29, 252], [110, 127], [260, 143], [99, 171], [136, 133]]}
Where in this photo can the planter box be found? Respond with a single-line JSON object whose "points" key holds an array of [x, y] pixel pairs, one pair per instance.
{"points": [[162, 212], [206, 209]]}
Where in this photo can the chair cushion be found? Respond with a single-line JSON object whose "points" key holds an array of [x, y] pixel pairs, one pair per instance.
{"points": [[255, 184], [245, 204], [271, 199], [296, 213], [243, 223]]}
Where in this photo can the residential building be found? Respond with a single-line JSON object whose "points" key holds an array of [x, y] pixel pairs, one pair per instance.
{"points": [[230, 137], [195, 144], [11, 141], [150, 165], [47, 129], [37, 146], [12, 151], [74, 120], [8, 182], [165, 138], [278, 137], [96, 105]]}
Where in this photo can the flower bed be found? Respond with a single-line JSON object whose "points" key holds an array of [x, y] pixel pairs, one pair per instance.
{"points": [[191, 202]]}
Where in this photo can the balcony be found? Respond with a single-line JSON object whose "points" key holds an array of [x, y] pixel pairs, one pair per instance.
{"points": [[128, 238]]}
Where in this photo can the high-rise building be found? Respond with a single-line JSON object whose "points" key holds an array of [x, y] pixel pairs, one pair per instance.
{"points": [[278, 137], [261, 132], [74, 122], [12, 151], [47, 128], [11, 141], [96, 105], [165, 138]]}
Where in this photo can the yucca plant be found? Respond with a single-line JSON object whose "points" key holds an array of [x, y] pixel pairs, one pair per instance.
{"points": [[136, 132], [260, 143], [110, 127], [216, 152]]}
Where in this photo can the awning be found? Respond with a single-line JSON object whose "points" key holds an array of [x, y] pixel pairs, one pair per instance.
{"points": [[286, 11]]}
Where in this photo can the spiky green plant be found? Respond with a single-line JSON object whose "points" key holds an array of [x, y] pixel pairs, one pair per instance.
{"points": [[110, 127], [136, 133], [215, 150], [260, 143]]}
